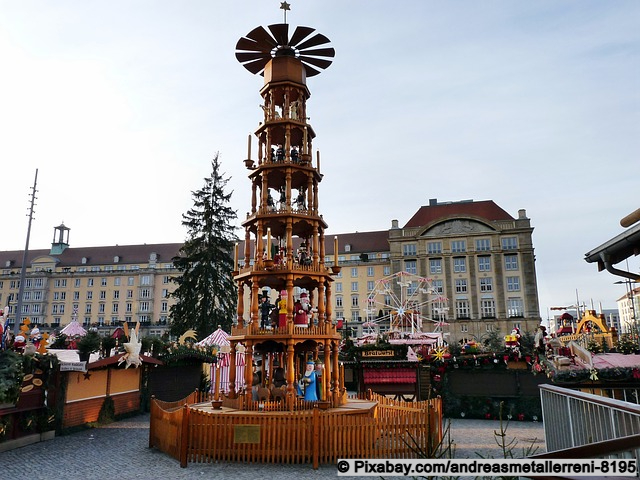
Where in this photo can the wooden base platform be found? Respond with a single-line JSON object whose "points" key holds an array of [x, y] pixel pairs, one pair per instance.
{"points": [[351, 407]]}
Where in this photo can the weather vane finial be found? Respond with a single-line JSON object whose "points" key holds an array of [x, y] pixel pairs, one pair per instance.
{"points": [[284, 6]]}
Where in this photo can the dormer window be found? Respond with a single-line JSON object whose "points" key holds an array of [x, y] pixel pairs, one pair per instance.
{"points": [[84, 260], [153, 257], [347, 248], [116, 259], [8, 263]]}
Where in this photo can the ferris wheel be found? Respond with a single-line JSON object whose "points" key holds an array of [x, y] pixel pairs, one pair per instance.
{"points": [[407, 303]]}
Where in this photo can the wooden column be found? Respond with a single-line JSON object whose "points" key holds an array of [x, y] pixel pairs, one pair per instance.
{"points": [[291, 374], [335, 373], [232, 371], [254, 305], [240, 317], [327, 370]]}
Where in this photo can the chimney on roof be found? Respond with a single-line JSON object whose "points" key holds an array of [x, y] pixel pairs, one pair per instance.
{"points": [[433, 202], [394, 223], [522, 214]]}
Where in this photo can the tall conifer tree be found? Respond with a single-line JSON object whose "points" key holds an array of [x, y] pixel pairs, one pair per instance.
{"points": [[206, 293]]}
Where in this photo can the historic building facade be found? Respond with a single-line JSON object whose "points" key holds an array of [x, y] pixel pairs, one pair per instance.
{"points": [[473, 253], [100, 286]]}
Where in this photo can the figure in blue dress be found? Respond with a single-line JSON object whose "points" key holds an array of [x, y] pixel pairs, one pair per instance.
{"points": [[307, 384]]}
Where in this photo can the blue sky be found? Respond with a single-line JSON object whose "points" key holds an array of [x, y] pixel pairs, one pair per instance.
{"points": [[535, 105]]}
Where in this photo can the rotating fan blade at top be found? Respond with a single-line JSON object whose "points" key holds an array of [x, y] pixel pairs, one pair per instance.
{"points": [[317, 39], [261, 36], [280, 32], [300, 34], [259, 46]]}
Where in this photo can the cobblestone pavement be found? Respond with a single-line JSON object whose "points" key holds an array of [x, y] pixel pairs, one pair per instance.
{"points": [[120, 452]]}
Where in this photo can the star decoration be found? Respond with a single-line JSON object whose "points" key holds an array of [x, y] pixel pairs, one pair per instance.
{"points": [[439, 354], [86, 375], [284, 6]]}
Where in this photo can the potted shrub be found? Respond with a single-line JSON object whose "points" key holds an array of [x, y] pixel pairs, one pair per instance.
{"points": [[87, 345]]}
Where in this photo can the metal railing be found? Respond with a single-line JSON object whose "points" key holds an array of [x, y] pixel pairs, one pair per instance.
{"points": [[574, 418]]}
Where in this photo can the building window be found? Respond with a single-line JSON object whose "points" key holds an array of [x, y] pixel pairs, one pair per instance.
{"points": [[116, 294], [129, 307], [354, 300], [116, 281], [165, 293], [145, 293], [484, 264], [483, 245], [114, 308], [103, 294], [515, 307], [339, 301], [459, 265], [435, 266], [511, 262], [513, 284], [103, 282], [461, 285], [130, 281], [409, 249], [369, 271], [370, 285], [89, 282], [38, 283], [144, 306], [101, 308], [488, 308], [509, 243], [129, 293], [164, 307], [434, 248], [87, 308], [411, 266], [354, 272], [89, 295], [463, 312], [354, 286], [458, 246], [412, 288], [145, 280], [489, 327], [438, 286], [386, 270], [486, 284], [338, 286]]}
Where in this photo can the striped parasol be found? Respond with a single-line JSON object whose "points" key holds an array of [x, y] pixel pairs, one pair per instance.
{"points": [[220, 338]]}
